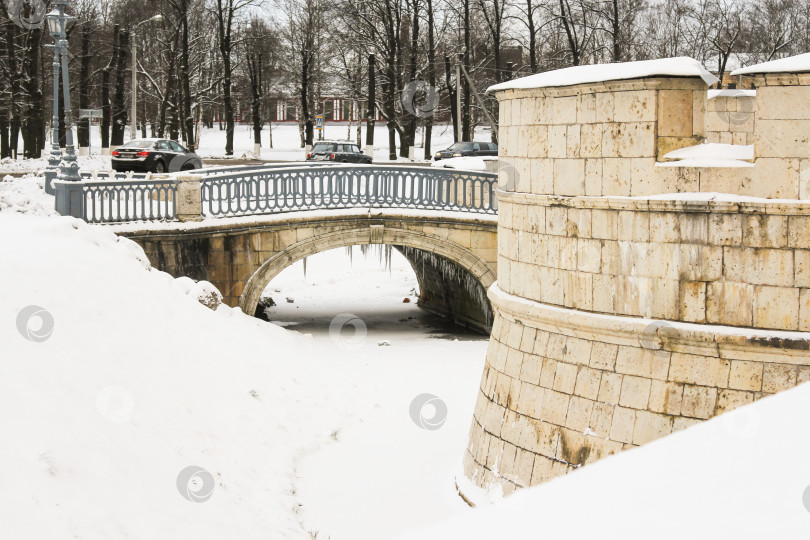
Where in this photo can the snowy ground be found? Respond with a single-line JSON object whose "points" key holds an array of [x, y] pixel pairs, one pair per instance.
{"points": [[286, 145], [116, 381], [384, 475]]}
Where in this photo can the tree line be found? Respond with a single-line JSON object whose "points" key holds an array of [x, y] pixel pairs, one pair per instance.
{"points": [[204, 60]]}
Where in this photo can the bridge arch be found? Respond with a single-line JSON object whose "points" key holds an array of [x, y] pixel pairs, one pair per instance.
{"points": [[463, 276]]}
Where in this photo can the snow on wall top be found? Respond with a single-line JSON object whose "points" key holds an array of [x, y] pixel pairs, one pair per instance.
{"points": [[731, 93], [792, 64], [682, 66]]}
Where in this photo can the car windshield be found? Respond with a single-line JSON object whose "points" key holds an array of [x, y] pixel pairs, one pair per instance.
{"points": [[139, 143], [462, 146], [322, 147]]}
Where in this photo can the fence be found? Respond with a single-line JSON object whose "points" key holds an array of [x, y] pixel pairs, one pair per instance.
{"points": [[244, 191]]}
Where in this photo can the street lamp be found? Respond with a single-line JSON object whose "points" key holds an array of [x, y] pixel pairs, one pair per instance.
{"points": [[133, 127], [57, 25]]}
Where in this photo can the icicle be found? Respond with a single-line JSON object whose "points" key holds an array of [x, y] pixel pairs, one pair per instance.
{"points": [[349, 253], [305, 267]]}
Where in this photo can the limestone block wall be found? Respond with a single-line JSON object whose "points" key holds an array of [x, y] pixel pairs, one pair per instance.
{"points": [[732, 263], [730, 119], [600, 139], [624, 310]]}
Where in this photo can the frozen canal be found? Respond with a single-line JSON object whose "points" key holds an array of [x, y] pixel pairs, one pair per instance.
{"points": [[385, 474]]}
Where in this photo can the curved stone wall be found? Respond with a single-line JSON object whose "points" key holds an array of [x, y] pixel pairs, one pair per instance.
{"points": [[718, 262], [563, 388], [626, 309]]}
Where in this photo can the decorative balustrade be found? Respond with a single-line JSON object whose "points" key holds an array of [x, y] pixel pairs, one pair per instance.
{"points": [[271, 191], [244, 191]]}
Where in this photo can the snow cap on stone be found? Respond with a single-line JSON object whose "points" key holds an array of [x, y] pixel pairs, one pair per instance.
{"points": [[792, 64], [682, 66]]}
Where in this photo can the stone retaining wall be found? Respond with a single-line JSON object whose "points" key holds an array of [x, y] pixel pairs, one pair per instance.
{"points": [[623, 311], [730, 120]]}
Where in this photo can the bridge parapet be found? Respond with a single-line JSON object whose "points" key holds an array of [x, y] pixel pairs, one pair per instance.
{"points": [[277, 189]]}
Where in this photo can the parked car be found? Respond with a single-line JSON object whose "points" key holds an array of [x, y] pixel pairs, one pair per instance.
{"points": [[338, 152], [154, 155], [462, 149]]}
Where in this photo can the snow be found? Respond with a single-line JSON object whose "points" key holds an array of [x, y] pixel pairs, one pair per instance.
{"points": [[384, 475], [792, 64], [183, 385], [711, 155], [734, 93], [682, 66], [465, 163], [729, 477], [138, 382]]}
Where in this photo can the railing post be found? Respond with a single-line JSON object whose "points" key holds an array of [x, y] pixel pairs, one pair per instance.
{"points": [[189, 197], [50, 176], [69, 198]]}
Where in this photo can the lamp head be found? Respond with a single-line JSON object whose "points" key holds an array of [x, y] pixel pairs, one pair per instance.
{"points": [[54, 19]]}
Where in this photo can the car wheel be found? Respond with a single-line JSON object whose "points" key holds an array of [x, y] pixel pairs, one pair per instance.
{"points": [[160, 167]]}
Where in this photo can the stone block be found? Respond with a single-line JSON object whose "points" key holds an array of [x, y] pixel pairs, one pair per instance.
{"points": [[579, 413], [548, 373], [776, 308], [675, 113], [545, 469], [569, 177], [765, 231], [565, 378], [725, 229], [635, 106], [557, 141], [555, 407], [542, 176], [666, 397], [776, 138], [605, 108], [779, 103], [616, 176], [730, 303], [601, 419], [572, 139], [650, 426], [799, 232], [604, 288], [700, 263], [636, 140], [804, 310], [642, 363], [587, 384], [759, 266], [776, 178], [745, 375], [593, 177], [728, 400], [700, 370], [624, 421], [778, 377], [692, 301], [610, 388], [802, 268], [564, 110], [698, 401], [603, 356], [664, 227], [635, 392]]}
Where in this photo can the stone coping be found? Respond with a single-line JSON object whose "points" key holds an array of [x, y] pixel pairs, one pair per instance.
{"points": [[701, 339], [678, 202], [621, 85], [287, 219]]}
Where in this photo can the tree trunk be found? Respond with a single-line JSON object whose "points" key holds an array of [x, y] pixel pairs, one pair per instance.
{"points": [[118, 105], [83, 130]]}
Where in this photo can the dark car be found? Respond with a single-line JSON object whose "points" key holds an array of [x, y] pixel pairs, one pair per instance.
{"points": [[338, 152], [154, 155], [463, 149]]}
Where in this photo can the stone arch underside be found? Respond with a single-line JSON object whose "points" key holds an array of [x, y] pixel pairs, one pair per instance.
{"points": [[453, 279]]}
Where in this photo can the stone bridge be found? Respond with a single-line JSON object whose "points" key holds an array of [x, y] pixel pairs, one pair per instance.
{"points": [[453, 254]]}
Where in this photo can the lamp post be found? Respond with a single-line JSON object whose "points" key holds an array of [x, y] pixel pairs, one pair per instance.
{"points": [[57, 24], [133, 129]]}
